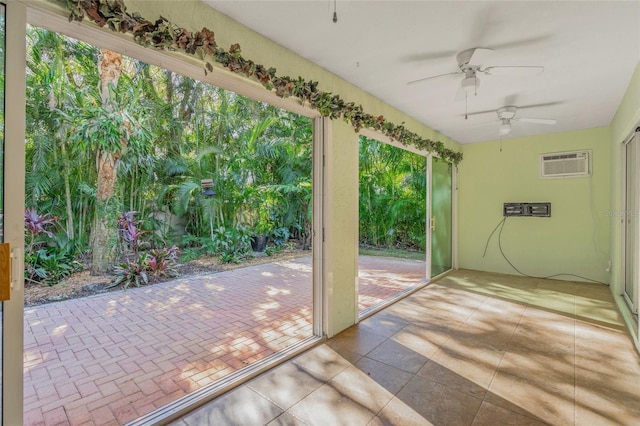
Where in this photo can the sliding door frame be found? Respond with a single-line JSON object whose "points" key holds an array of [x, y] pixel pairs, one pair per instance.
{"points": [[14, 172], [373, 134], [630, 215], [52, 17]]}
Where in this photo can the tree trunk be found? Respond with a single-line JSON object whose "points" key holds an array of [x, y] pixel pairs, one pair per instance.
{"points": [[105, 230]]}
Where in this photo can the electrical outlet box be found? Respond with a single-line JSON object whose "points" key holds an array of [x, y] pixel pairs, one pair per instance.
{"points": [[539, 209], [513, 209], [527, 209]]}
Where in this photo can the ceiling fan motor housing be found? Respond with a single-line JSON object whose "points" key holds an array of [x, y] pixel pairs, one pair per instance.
{"points": [[507, 112]]}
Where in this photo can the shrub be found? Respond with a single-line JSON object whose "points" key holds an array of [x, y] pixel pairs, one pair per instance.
{"points": [[129, 273], [130, 231], [158, 263], [48, 257], [163, 262], [233, 244], [280, 236]]}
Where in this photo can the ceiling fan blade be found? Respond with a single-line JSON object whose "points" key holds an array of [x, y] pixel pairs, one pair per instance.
{"points": [[480, 123], [537, 120], [513, 70], [460, 94], [420, 57], [479, 55], [433, 76], [521, 42], [489, 111]]}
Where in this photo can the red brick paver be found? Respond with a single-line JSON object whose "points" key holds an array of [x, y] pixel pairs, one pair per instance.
{"points": [[380, 278], [110, 358]]}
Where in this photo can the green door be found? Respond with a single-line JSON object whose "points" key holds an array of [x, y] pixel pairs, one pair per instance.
{"points": [[441, 216]]}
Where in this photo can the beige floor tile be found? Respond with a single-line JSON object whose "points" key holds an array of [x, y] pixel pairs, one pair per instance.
{"points": [[411, 311], [549, 401], [602, 392], [604, 338], [440, 374], [593, 308], [604, 364], [240, 407], [286, 419], [476, 364], [605, 415], [391, 378], [397, 413], [397, 355], [492, 415], [425, 342], [383, 324], [362, 389], [439, 404], [552, 367], [544, 332], [322, 361], [558, 286], [486, 333], [287, 384], [327, 406], [551, 300], [356, 341]]}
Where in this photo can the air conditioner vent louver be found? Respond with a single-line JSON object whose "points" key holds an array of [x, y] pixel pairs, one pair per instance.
{"points": [[565, 164]]}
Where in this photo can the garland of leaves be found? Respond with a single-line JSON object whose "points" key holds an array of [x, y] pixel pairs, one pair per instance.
{"points": [[164, 35]]}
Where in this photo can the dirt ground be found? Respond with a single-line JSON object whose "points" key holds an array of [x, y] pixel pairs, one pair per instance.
{"points": [[84, 284]]}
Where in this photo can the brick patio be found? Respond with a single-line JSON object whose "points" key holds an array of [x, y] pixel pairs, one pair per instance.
{"points": [[110, 358]]}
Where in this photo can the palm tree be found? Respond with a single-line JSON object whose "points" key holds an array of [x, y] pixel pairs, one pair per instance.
{"points": [[58, 69], [392, 196]]}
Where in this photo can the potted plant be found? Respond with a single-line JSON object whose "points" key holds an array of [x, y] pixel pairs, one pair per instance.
{"points": [[260, 235]]}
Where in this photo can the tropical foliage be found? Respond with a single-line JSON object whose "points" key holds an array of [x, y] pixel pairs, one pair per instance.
{"points": [[393, 190], [164, 35], [165, 133]]}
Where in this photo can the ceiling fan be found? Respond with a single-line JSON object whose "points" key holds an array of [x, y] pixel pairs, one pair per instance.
{"points": [[470, 63], [507, 114]]}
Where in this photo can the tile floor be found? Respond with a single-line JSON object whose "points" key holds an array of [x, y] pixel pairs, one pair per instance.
{"points": [[472, 349]]}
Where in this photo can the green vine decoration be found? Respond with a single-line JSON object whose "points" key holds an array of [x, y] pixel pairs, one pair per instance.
{"points": [[164, 35]]}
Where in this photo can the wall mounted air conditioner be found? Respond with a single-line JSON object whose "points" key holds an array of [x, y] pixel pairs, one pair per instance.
{"points": [[565, 164]]}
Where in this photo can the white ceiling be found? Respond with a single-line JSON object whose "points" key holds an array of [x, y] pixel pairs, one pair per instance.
{"points": [[589, 51]]}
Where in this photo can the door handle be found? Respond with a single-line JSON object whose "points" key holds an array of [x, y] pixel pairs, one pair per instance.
{"points": [[5, 272], [433, 223]]}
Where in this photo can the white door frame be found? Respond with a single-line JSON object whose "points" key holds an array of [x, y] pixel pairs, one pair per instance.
{"points": [[373, 134], [14, 172], [48, 15]]}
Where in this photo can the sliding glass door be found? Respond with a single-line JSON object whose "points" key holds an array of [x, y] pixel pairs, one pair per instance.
{"points": [[631, 227], [2, 38], [441, 222]]}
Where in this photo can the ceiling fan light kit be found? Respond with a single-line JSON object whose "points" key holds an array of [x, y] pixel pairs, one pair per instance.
{"points": [[470, 84], [505, 128]]}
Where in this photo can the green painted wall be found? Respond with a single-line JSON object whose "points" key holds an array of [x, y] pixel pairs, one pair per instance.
{"points": [[626, 119], [341, 218], [575, 239]]}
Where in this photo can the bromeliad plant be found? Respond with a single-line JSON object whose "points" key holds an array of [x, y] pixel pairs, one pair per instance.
{"points": [[152, 265], [130, 232], [164, 35], [48, 257]]}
